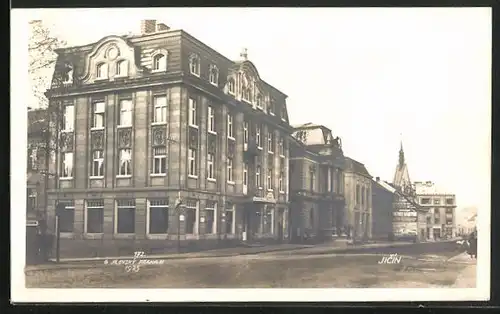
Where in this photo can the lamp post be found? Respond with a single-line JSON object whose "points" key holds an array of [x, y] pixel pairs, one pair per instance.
{"points": [[180, 218]]}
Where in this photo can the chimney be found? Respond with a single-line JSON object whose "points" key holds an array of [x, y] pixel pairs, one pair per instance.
{"points": [[148, 26], [377, 179], [161, 27]]}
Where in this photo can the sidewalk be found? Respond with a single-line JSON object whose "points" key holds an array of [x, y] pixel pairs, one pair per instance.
{"points": [[467, 277], [225, 252]]}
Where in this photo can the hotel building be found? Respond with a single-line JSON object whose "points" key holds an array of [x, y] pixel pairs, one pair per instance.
{"points": [[163, 141]]}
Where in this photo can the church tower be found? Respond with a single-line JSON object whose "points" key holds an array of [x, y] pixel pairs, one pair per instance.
{"points": [[401, 176]]}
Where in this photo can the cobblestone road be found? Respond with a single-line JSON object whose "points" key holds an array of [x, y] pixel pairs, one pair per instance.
{"points": [[270, 270]]}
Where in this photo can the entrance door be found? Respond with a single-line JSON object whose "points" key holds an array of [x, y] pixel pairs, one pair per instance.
{"points": [[437, 233]]}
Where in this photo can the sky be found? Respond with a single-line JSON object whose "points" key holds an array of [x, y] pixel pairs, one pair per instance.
{"points": [[375, 77]]}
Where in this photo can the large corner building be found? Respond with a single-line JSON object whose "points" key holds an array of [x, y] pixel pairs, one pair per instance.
{"points": [[165, 140]]}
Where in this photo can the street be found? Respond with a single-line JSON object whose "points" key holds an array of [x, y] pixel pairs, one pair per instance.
{"points": [[413, 267]]}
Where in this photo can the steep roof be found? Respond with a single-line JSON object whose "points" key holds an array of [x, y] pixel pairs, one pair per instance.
{"points": [[385, 185], [356, 167], [401, 175]]}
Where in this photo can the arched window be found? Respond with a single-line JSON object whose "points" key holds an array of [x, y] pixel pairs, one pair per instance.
{"points": [[102, 70], [159, 62], [194, 65], [122, 68], [230, 86], [214, 75]]}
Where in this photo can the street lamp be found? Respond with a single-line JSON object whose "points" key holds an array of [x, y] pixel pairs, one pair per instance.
{"points": [[180, 218]]}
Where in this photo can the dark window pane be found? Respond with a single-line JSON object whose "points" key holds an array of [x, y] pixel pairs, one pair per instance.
{"points": [[158, 220], [126, 220], [229, 222], [210, 221], [66, 220], [95, 220]]}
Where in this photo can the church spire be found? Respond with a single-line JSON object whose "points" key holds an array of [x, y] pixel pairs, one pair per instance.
{"points": [[401, 155]]}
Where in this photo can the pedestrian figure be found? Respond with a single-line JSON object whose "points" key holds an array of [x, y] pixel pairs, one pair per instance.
{"points": [[472, 249]]}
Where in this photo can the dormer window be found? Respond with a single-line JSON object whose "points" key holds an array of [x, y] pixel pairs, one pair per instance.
{"points": [[194, 65], [214, 75], [246, 93], [230, 86], [160, 62], [259, 101], [283, 113], [102, 71], [271, 108], [122, 68]]}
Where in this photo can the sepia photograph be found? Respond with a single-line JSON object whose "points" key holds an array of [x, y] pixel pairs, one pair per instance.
{"points": [[264, 154]]}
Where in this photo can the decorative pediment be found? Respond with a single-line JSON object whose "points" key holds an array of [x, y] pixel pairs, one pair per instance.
{"points": [[111, 58]]}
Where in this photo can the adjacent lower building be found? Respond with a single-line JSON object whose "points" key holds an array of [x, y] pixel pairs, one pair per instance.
{"points": [[358, 196], [317, 205], [383, 197], [441, 206], [164, 142]]}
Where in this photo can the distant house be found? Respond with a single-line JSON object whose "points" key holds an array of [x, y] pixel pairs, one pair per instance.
{"points": [[358, 196]]}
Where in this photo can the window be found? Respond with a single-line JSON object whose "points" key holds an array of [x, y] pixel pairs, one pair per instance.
{"points": [[210, 222], [257, 177], [449, 210], [270, 178], [271, 106], [214, 75], [125, 112], [193, 171], [281, 147], [95, 216], [122, 68], [158, 216], [69, 118], [258, 137], [98, 115], [357, 194], [67, 216], [246, 93], [160, 107], [311, 179], [230, 170], [363, 195], [282, 175], [159, 160], [329, 180], [30, 200], [124, 162], [67, 165], [125, 216], [192, 113], [194, 65], [191, 209], [311, 218], [102, 71], [211, 119], [283, 113], [210, 166], [97, 163], [425, 201], [245, 132], [270, 143], [437, 201], [450, 201], [245, 174], [32, 154], [229, 218], [259, 101], [159, 62], [230, 86], [230, 126]]}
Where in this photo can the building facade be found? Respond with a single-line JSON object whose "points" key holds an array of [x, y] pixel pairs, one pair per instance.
{"points": [[164, 141], [383, 197], [358, 196], [316, 184], [441, 207]]}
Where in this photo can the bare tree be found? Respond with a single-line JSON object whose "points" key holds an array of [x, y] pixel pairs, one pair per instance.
{"points": [[42, 59]]}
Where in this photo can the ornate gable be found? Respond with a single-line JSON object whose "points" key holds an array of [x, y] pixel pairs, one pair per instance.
{"points": [[110, 58]]}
